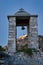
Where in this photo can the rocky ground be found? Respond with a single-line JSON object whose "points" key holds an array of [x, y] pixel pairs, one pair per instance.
{"points": [[23, 59]]}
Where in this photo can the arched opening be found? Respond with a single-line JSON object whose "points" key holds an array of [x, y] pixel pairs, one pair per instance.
{"points": [[22, 27]]}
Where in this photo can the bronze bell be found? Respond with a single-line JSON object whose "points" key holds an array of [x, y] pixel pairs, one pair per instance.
{"points": [[23, 28]]}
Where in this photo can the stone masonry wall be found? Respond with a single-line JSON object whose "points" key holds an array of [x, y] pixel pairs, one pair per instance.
{"points": [[12, 35], [33, 32]]}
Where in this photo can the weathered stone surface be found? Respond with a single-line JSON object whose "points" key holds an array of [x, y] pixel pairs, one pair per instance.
{"points": [[21, 59], [33, 32], [12, 35]]}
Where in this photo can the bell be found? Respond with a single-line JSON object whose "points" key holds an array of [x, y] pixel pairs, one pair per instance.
{"points": [[23, 28]]}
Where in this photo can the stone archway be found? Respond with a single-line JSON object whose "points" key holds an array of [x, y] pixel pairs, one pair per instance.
{"points": [[22, 18]]}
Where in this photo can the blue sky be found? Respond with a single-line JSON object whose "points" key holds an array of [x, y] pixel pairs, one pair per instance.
{"points": [[9, 7]]}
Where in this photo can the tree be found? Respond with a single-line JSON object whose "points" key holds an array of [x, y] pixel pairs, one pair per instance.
{"points": [[2, 49]]}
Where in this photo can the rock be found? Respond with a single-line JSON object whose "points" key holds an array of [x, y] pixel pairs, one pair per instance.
{"points": [[21, 59]]}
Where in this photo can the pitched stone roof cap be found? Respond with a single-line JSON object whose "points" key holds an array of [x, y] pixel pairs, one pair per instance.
{"points": [[21, 12]]}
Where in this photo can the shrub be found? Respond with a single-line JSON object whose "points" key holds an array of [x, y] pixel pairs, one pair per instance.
{"points": [[26, 50]]}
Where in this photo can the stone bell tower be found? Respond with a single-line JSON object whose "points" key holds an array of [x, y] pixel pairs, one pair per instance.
{"points": [[22, 18]]}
